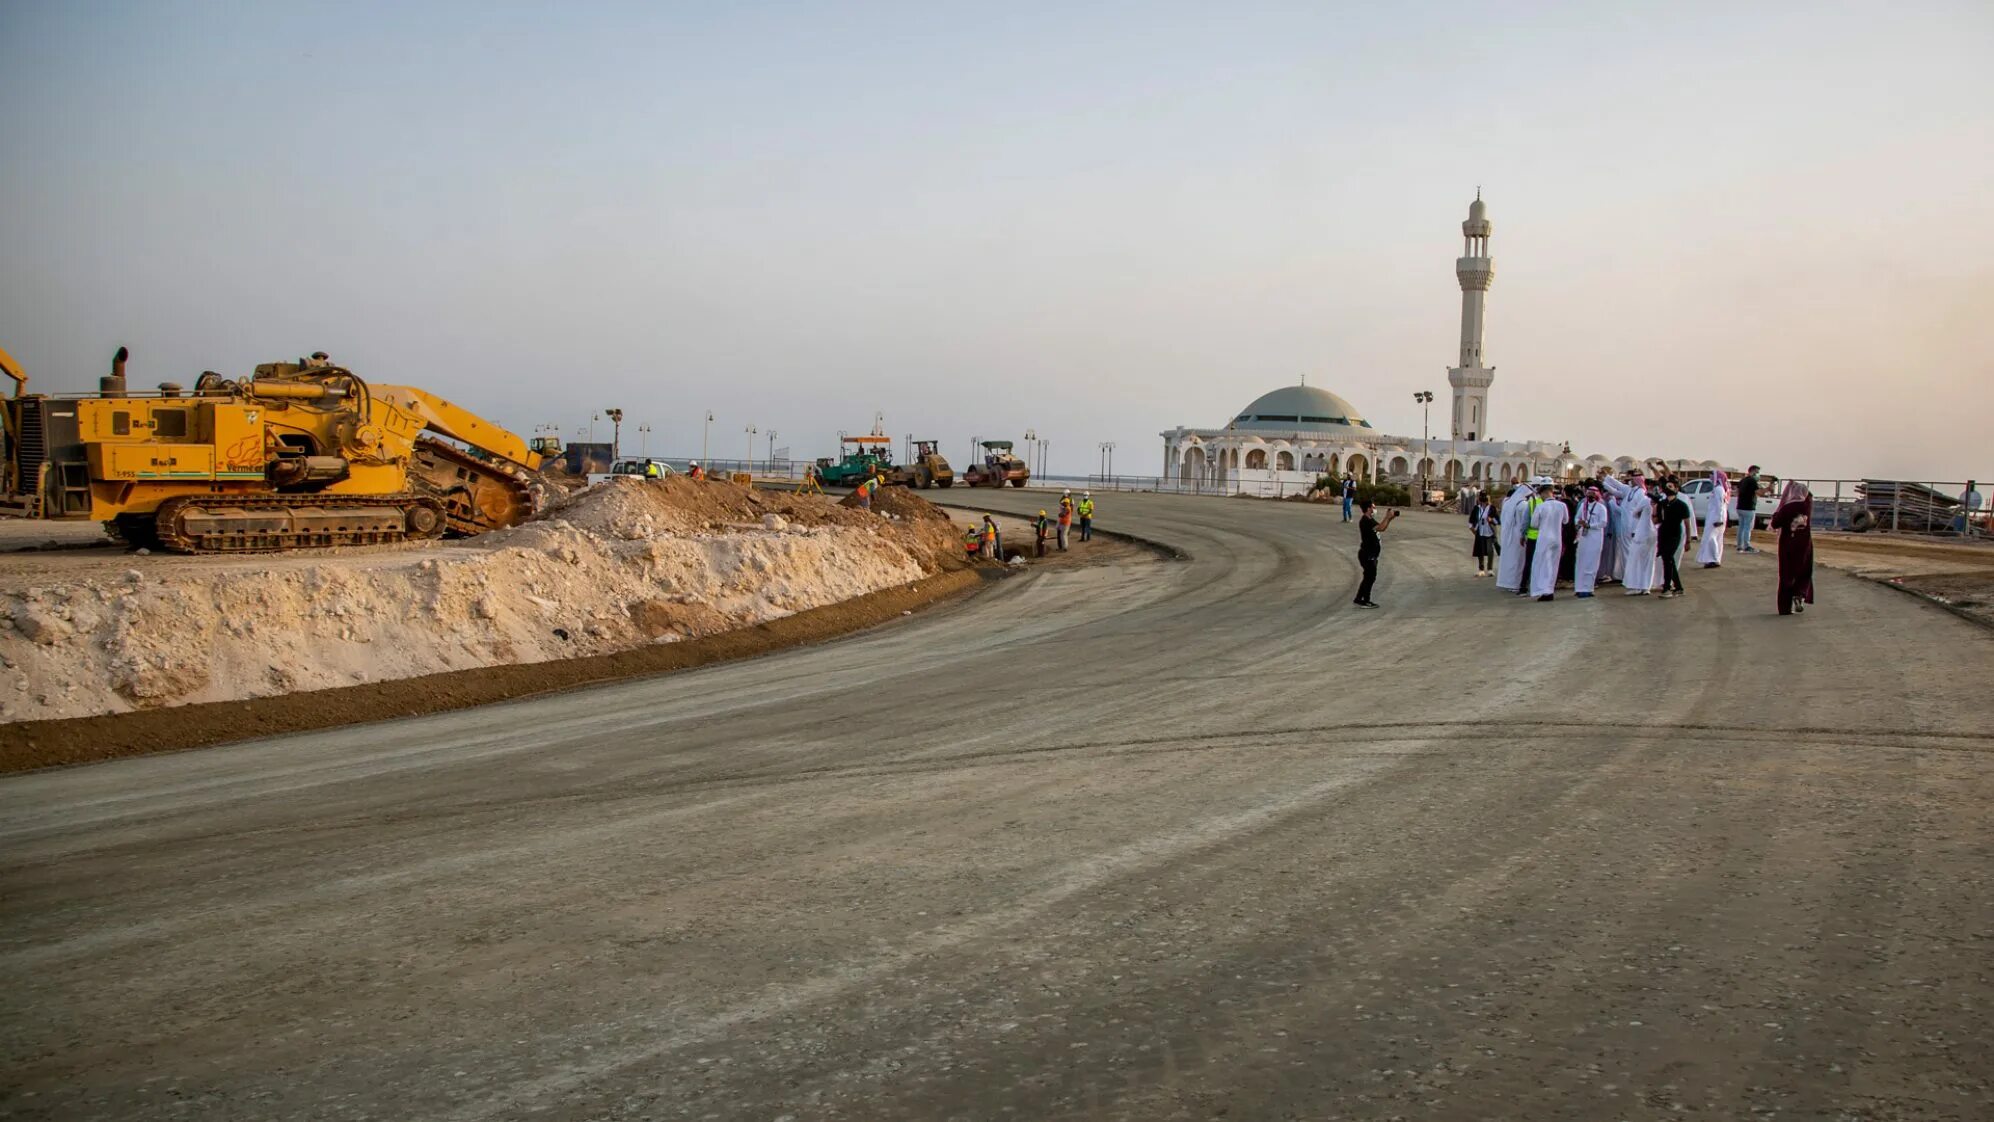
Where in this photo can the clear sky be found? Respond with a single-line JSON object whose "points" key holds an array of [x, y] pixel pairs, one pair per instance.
{"points": [[1737, 231]]}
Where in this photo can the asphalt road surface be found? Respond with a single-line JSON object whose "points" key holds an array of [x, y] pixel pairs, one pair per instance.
{"points": [[1171, 840]]}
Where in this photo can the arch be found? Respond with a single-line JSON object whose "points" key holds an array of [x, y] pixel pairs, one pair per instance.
{"points": [[1475, 471], [1454, 473], [1256, 460], [1427, 469], [1507, 475], [1522, 470], [1398, 465], [1284, 460], [1194, 465], [1355, 464]]}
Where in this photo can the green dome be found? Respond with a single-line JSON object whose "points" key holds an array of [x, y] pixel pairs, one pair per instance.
{"points": [[1300, 409]]}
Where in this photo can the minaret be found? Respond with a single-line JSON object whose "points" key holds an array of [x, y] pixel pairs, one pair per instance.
{"points": [[1476, 270]]}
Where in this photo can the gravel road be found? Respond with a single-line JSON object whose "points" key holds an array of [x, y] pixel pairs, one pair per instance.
{"points": [[1178, 840]]}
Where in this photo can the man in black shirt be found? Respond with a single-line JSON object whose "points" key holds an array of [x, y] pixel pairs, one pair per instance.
{"points": [[1748, 508], [1676, 519], [1368, 548]]}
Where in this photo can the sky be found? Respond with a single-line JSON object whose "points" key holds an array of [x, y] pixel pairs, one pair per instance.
{"points": [[1746, 232]]}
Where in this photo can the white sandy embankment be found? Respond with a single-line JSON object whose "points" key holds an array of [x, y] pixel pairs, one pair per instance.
{"points": [[615, 567]]}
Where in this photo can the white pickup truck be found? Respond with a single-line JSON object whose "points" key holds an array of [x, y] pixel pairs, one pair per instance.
{"points": [[630, 467], [1697, 491]]}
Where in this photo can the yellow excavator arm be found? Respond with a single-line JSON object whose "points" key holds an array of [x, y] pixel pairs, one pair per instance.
{"points": [[461, 424], [13, 370]]}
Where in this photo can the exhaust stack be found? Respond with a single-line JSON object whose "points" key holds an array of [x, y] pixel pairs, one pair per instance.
{"points": [[113, 385]]}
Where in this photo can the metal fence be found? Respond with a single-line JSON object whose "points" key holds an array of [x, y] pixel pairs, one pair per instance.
{"points": [[1948, 509], [1943, 508]]}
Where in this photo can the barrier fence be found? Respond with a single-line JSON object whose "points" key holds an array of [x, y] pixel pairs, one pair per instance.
{"points": [[1946, 508], [1893, 506]]}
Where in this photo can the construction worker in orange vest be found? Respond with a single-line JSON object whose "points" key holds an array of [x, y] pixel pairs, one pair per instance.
{"points": [[865, 490]]}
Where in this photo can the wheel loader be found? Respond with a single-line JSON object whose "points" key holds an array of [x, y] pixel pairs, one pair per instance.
{"points": [[296, 455]]}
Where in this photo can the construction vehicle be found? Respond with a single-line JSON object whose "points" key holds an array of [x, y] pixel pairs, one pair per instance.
{"points": [[927, 467], [298, 454], [870, 455], [999, 467]]}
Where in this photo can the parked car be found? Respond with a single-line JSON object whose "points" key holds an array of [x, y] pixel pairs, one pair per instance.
{"points": [[1697, 491]]}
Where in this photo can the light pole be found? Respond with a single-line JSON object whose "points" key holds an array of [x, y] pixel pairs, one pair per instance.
{"points": [[771, 451], [1032, 450], [1425, 399], [1045, 457], [704, 434], [644, 440], [751, 431], [1107, 460], [593, 418], [616, 434]]}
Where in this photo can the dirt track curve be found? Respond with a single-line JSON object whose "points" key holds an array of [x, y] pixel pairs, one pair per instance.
{"points": [[1179, 841]]}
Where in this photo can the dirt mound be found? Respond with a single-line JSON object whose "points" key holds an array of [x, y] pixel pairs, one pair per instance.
{"points": [[619, 565]]}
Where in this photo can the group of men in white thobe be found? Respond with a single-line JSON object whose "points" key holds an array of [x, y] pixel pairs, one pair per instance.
{"points": [[1618, 531]]}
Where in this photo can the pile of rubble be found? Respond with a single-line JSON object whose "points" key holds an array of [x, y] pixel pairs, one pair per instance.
{"points": [[618, 565]]}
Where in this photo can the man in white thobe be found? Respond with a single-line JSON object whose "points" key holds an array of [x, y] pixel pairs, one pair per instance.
{"points": [[1593, 536], [1609, 552], [1509, 567], [1716, 515], [1637, 533], [1550, 522]]}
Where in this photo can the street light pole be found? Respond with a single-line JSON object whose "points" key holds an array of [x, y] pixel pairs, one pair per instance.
{"points": [[751, 431], [771, 451], [1425, 399], [644, 440], [704, 434]]}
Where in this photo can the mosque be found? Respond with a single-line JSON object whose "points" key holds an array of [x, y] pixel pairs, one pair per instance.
{"points": [[1285, 439]]}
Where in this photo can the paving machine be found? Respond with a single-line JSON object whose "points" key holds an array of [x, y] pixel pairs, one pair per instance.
{"points": [[298, 454], [869, 455]]}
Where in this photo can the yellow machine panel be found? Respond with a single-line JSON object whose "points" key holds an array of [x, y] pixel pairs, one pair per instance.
{"points": [[153, 461]]}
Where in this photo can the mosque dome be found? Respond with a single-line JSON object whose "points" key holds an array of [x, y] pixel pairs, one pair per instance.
{"points": [[1299, 409], [1477, 210]]}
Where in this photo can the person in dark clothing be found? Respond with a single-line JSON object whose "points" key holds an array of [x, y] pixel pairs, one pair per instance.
{"points": [[1796, 548], [1368, 549], [1674, 535], [1748, 507], [1484, 524]]}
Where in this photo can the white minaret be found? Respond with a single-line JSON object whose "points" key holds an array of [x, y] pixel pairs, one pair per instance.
{"points": [[1476, 270]]}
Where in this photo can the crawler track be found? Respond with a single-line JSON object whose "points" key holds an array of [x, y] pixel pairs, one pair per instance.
{"points": [[272, 523]]}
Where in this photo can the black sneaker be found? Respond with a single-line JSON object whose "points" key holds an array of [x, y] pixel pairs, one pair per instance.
{"points": [[1366, 604]]}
